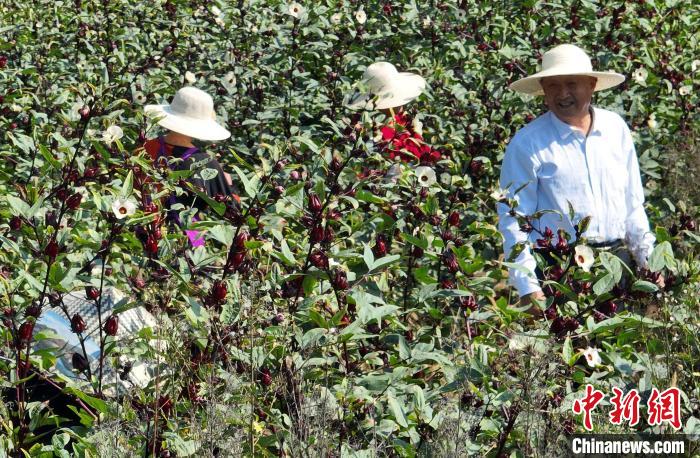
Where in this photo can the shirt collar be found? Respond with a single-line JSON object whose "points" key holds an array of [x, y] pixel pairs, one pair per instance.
{"points": [[564, 129]]}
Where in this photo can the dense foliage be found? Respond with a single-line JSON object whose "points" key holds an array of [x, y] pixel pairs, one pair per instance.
{"points": [[339, 309]]}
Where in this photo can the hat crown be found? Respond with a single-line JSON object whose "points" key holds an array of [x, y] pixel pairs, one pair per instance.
{"points": [[193, 103], [567, 56], [379, 75]]}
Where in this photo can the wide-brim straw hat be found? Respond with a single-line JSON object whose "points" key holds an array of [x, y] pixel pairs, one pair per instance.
{"points": [[565, 60], [190, 113], [387, 88]]}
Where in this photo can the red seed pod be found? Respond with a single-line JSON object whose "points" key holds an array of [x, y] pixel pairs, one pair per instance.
{"points": [[219, 291], [165, 404], [62, 194], [418, 252], [25, 330], [453, 219], [77, 324], [84, 112], [92, 293], [51, 249], [111, 325], [336, 165], [450, 261], [73, 201], [548, 233]]}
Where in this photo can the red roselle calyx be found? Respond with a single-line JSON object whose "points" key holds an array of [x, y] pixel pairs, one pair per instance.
{"points": [[73, 201], [241, 238], [25, 330], [380, 246], [111, 325], [319, 259], [16, 223], [453, 219], [317, 234], [51, 249], [92, 293], [77, 324], [450, 261], [79, 362], [314, 203], [219, 291], [151, 246], [340, 280]]}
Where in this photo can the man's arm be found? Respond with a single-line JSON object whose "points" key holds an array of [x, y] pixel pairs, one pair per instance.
{"points": [[640, 240], [519, 168]]}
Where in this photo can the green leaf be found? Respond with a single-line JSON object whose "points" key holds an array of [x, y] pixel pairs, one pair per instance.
{"points": [[368, 257], [208, 174], [385, 261], [18, 206], [604, 285], [396, 411], [128, 186], [661, 257], [250, 186], [567, 351], [612, 264], [645, 286], [308, 142]]}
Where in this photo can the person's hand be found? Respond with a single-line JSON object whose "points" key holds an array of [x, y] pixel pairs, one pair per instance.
{"points": [[531, 300]]}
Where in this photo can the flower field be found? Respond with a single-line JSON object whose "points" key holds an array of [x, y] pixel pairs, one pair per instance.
{"points": [[353, 301]]}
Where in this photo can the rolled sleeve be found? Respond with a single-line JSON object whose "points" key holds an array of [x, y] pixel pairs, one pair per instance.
{"points": [[519, 171]]}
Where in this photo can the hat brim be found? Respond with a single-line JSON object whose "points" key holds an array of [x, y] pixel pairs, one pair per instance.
{"points": [[201, 129], [404, 88], [531, 84]]}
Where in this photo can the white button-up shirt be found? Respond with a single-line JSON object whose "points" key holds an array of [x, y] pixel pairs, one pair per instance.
{"points": [[598, 174]]}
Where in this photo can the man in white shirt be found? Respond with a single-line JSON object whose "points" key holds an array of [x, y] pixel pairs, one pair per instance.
{"points": [[573, 153]]}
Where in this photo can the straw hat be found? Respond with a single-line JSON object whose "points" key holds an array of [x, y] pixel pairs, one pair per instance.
{"points": [[566, 60], [190, 113], [387, 87]]}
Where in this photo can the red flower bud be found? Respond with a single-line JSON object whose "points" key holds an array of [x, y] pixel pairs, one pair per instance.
{"points": [[73, 201], [453, 219], [236, 260], [92, 293], [111, 325], [336, 165], [548, 233], [79, 362], [77, 324], [62, 194], [314, 203], [25, 330]]}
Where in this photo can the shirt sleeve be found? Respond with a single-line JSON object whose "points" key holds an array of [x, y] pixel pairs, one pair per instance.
{"points": [[638, 237], [519, 169]]}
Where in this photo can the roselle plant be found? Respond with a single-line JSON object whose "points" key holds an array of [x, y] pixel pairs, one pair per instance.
{"points": [[355, 300]]}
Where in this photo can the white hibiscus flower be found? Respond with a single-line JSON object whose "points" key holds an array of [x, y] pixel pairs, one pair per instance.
{"points": [[640, 75], [426, 176], [295, 10], [190, 77], [695, 65], [684, 90], [112, 134], [123, 208], [360, 16], [651, 122], [336, 18], [592, 356], [584, 257]]}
